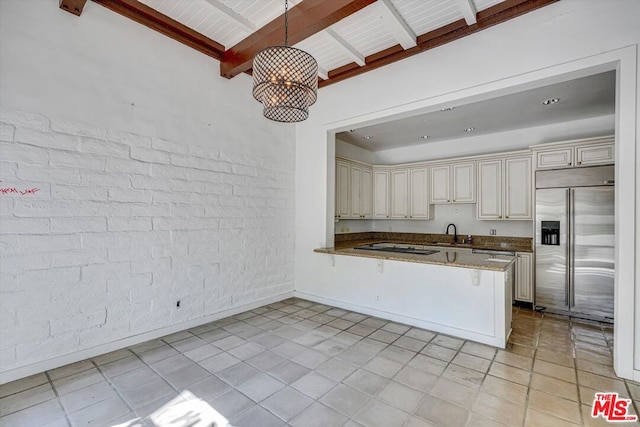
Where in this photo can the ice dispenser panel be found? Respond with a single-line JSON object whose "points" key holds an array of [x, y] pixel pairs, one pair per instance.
{"points": [[550, 232]]}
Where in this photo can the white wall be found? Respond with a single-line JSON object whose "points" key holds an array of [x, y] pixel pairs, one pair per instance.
{"points": [[541, 47], [158, 181]]}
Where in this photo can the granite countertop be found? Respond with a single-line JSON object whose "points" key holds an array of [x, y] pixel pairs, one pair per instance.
{"points": [[497, 243], [454, 257]]}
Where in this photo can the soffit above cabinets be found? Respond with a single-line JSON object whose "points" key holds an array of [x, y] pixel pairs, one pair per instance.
{"points": [[577, 99], [347, 37]]}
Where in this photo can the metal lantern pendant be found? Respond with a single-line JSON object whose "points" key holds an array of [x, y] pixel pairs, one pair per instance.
{"points": [[285, 81]]}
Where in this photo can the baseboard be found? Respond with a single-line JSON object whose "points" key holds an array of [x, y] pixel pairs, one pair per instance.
{"points": [[412, 321], [77, 356]]}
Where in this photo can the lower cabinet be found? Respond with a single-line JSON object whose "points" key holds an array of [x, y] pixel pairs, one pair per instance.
{"points": [[524, 277]]}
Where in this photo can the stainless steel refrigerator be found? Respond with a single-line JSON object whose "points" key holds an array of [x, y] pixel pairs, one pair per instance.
{"points": [[575, 242]]}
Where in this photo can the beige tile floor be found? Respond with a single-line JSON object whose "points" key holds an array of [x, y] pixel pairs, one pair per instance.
{"points": [[299, 363]]}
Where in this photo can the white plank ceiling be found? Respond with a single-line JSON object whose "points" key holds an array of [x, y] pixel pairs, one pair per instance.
{"points": [[379, 26]]}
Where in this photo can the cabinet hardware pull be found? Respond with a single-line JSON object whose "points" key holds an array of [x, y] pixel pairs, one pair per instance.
{"points": [[569, 163], [506, 216], [579, 163]]}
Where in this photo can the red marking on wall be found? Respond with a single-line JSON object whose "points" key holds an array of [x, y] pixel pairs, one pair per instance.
{"points": [[14, 190]]}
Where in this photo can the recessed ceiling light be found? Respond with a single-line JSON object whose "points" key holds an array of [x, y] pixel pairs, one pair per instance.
{"points": [[447, 108], [471, 129], [425, 136], [368, 137], [550, 101]]}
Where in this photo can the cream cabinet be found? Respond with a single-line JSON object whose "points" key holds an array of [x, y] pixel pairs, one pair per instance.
{"points": [[596, 154], [343, 196], [354, 190], [504, 189], [490, 193], [400, 193], [453, 183], [361, 192], [524, 277], [553, 159], [381, 183], [419, 207], [409, 194], [576, 153], [518, 188]]}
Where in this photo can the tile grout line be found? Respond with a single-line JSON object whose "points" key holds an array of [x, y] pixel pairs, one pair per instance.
{"points": [[55, 391]]}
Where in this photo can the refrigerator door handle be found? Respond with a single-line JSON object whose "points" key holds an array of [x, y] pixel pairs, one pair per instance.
{"points": [[572, 243], [568, 284]]}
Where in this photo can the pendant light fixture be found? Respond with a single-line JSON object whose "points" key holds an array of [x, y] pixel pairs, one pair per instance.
{"points": [[285, 80]]}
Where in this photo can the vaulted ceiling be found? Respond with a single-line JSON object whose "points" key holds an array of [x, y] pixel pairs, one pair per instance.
{"points": [[346, 37]]}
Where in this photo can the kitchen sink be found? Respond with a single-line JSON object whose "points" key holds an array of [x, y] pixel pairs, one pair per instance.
{"points": [[397, 247]]}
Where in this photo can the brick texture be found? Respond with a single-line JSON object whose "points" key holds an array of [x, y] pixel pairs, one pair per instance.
{"points": [[124, 225]]}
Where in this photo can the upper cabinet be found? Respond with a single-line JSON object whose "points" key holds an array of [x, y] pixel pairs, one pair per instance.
{"points": [[419, 207], [381, 197], [343, 196], [556, 158], [453, 183], [501, 185], [518, 188], [595, 154], [576, 153], [505, 188], [354, 190], [400, 193]]}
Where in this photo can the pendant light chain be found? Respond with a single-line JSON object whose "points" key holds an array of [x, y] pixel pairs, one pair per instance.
{"points": [[286, 23]]}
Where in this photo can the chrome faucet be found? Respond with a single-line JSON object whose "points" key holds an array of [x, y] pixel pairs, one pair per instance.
{"points": [[455, 233]]}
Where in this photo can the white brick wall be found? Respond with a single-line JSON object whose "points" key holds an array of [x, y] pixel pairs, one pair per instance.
{"points": [[123, 226]]}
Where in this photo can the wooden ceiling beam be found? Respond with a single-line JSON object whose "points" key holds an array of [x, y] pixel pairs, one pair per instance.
{"points": [[151, 18], [305, 19], [72, 6], [492, 16]]}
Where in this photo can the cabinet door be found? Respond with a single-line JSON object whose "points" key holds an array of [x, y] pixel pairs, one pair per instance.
{"points": [[524, 277], [399, 194], [419, 190], [559, 158], [343, 177], [439, 185], [517, 188], [354, 187], [464, 188], [366, 193], [600, 154], [381, 194], [489, 189]]}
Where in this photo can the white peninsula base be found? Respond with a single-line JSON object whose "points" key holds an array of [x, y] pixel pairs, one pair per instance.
{"points": [[468, 303]]}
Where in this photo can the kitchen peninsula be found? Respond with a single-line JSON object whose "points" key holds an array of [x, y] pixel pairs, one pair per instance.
{"points": [[453, 290]]}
